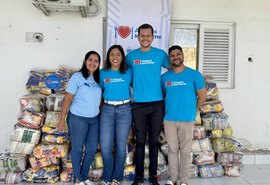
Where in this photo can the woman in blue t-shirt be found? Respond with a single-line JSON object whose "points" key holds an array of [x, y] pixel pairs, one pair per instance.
{"points": [[82, 99], [116, 116]]}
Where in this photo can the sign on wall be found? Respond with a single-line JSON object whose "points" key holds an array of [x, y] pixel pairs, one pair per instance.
{"points": [[125, 16]]}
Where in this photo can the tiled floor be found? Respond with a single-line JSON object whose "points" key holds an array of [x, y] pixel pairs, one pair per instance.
{"points": [[251, 175]]}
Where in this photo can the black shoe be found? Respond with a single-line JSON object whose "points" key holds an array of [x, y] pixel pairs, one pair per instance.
{"points": [[153, 181], [138, 181]]}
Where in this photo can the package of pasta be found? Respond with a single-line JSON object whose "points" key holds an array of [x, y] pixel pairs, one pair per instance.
{"points": [[199, 132], [51, 138], [212, 91], [233, 171], [53, 150], [66, 175], [54, 102], [32, 120], [95, 174], [20, 148], [66, 162], [210, 171], [205, 144], [161, 158], [11, 178], [97, 163], [193, 171], [212, 121], [225, 159], [33, 102], [212, 106], [49, 174], [52, 118], [227, 132], [32, 84], [206, 157], [217, 133], [46, 161], [218, 145], [12, 162], [25, 135], [50, 130]]}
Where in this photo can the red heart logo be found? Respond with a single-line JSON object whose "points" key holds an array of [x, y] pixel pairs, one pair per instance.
{"points": [[168, 83], [107, 80], [123, 31], [137, 62]]}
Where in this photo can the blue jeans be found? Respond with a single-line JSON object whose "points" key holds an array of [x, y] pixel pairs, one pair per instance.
{"points": [[83, 133], [115, 124]]}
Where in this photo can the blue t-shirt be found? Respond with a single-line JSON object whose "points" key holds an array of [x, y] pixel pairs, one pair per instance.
{"points": [[181, 96], [146, 68], [87, 95], [116, 86]]}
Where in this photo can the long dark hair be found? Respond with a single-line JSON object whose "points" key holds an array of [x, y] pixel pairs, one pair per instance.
{"points": [[84, 69], [123, 66]]}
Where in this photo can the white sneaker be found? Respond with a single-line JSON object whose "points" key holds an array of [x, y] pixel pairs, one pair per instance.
{"points": [[169, 182], [88, 182], [80, 183]]}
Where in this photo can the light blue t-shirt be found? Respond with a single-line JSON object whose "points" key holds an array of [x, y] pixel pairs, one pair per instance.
{"points": [[146, 68], [181, 97], [116, 86], [87, 95]]}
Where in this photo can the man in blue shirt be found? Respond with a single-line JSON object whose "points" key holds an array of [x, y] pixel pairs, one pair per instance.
{"points": [[185, 92], [148, 105]]}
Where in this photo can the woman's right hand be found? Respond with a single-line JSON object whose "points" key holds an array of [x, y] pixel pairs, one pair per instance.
{"points": [[61, 125]]}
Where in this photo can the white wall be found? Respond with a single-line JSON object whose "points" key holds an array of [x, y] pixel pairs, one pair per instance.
{"points": [[68, 37]]}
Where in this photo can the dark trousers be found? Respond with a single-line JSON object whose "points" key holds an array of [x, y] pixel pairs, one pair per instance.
{"points": [[148, 118]]}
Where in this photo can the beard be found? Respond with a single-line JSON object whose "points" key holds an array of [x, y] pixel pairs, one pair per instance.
{"points": [[177, 63]]}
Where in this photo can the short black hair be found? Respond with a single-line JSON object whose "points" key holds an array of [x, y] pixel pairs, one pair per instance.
{"points": [[123, 66], [84, 69], [173, 48], [146, 26]]}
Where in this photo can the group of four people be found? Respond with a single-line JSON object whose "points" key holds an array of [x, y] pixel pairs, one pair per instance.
{"points": [[184, 92]]}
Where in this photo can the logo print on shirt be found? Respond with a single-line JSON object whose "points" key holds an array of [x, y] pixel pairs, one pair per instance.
{"points": [[137, 62], [168, 83], [107, 80]]}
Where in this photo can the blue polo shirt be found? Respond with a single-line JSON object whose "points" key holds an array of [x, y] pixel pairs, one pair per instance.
{"points": [[181, 96], [146, 68], [87, 95], [116, 85]]}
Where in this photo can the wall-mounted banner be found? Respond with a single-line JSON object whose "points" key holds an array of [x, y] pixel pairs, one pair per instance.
{"points": [[125, 16]]}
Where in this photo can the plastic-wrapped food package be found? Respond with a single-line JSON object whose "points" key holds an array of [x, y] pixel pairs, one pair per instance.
{"points": [[209, 171], [205, 144], [95, 174], [130, 155], [162, 172], [50, 138], [46, 161], [193, 171], [52, 118], [225, 159], [55, 150], [25, 135], [206, 157], [33, 102], [97, 163], [66, 175], [218, 145], [12, 162], [146, 150], [32, 84], [212, 91], [55, 131], [198, 120], [146, 161], [49, 174], [234, 171], [212, 106], [227, 133], [199, 132], [11, 178], [161, 158], [195, 147], [31, 119], [66, 162], [129, 172], [42, 85], [217, 133], [54, 102], [213, 121], [20, 148], [165, 148]]}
